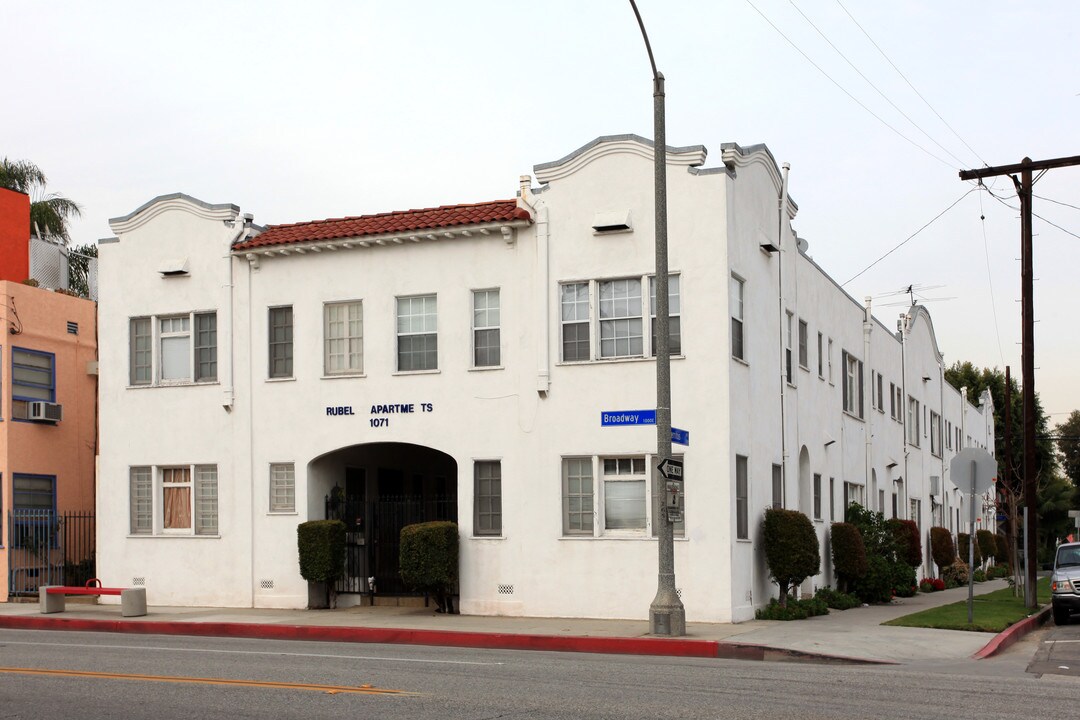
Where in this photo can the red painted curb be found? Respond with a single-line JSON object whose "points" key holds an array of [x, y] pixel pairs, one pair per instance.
{"points": [[1011, 634], [448, 638]]}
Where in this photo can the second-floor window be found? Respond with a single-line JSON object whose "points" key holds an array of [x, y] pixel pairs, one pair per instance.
{"points": [[280, 344], [183, 350], [853, 384], [737, 287], [417, 333], [487, 337], [343, 328], [617, 322]]}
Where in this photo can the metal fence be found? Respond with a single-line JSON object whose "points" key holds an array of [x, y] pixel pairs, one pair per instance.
{"points": [[57, 267], [49, 548], [373, 537]]}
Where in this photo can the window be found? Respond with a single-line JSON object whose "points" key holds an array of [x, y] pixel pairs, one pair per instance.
{"points": [[913, 421], [34, 523], [832, 499], [804, 349], [33, 377], [343, 330], [880, 394], [577, 496], [486, 332], [282, 488], [853, 384], [619, 323], [899, 404], [892, 401], [817, 496], [873, 393], [852, 494], [487, 497], [830, 362], [624, 493], [916, 512], [894, 508], [948, 435], [184, 350], [33, 493], [417, 333], [674, 315], [621, 332], [174, 500], [742, 499], [736, 288], [935, 433], [281, 342], [777, 486], [820, 358], [788, 330]]}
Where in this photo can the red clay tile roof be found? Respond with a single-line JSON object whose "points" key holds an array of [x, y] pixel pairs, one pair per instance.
{"points": [[388, 223]]}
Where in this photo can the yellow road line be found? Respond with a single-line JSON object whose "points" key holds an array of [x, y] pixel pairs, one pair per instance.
{"points": [[330, 689]]}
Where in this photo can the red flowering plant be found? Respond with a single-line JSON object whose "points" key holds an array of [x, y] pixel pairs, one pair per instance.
{"points": [[939, 584]]}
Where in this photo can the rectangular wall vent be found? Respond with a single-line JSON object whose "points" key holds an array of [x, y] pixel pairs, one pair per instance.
{"points": [[138, 582], [506, 589], [73, 327], [266, 584]]}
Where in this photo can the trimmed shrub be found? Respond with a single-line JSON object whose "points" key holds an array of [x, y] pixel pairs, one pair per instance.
{"points": [[837, 600], [979, 576], [849, 554], [941, 547], [987, 540], [429, 560], [963, 540], [1002, 552], [908, 544], [813, 606], [876, 586], [321, 550], [955, 575], [776, 611], [791, 548], [926, 585], [904, 582]]}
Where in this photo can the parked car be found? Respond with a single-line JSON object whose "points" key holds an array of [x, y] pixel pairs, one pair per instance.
{"points": [[1065, 582]]}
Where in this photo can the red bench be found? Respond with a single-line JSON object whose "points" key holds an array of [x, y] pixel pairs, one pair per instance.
{"points": [[132, 600]]}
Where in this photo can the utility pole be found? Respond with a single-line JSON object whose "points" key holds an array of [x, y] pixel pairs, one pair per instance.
{"points": [[666, 613], [1023, 190]]}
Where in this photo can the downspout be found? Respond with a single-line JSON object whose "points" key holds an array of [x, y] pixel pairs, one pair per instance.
{"points": [[963, 435], [229, 395], [902, 325], [941, 420], [867, 330], [543, 257], [783, 325]]}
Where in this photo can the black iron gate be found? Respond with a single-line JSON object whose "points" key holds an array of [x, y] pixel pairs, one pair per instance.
{"points": [[49, 548], [373, 536]]}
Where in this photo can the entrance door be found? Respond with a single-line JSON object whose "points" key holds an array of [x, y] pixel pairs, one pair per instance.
{"points": [[354, 515]]}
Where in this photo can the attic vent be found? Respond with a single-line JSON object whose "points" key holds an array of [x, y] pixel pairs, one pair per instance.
{"points": [[73, 327], [612, 222], [174, 267], [138, 581], [266, 584]]}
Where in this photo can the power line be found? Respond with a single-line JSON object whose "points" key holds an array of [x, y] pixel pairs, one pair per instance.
{"points": [[1048, 222], [990, 280], [871, 84], [909, 237], [1056, 202], [841, 87], [910, 85]]}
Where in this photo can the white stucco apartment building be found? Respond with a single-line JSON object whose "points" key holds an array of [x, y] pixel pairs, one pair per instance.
{"points": [[456, 362]]}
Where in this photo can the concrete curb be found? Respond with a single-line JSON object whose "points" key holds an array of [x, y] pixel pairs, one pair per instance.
{"points": [[648, 646], [1011, 634]]}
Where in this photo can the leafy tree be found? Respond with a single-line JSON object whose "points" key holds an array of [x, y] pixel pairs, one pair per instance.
{"points": [[1056, 499], [791, 548], [1068, 443], [49, 212], [79, 268]]}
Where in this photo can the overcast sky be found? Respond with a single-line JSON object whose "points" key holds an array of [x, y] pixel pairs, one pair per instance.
{"points": [[301, 111]]}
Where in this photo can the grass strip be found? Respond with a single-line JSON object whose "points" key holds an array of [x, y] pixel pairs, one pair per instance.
{"points": [[992, 612]]}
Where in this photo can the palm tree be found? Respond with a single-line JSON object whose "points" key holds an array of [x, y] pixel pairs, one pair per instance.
{"points": [[49, 212]]}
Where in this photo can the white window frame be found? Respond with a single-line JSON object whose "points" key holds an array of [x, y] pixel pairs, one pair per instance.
{"points": [[935, 434], [581, 307], [487, 323], [151, 349], [853, 399], [737, 300], [741, 490], [492, 510], [146, 494], [286, 344], [789, 360], [351, 344], [804, 345], [282, 495], [594, 493], [425, 331], [831, 380], [913, 418], [820, 356], [620, 318]]}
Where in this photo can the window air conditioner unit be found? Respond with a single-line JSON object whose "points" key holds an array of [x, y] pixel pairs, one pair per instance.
{"points": [[41, 411]]}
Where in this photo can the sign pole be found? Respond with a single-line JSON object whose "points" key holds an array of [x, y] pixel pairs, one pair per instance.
{"points": [[971, 549]]}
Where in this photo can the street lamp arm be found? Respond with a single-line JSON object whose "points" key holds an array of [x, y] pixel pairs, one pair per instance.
{"points": [[657, 77]]}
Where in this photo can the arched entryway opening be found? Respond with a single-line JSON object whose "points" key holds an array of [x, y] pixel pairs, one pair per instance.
{"points": [[377, 489]]}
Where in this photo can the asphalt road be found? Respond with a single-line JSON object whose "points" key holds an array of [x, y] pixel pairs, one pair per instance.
{"points": [[1058, 651], [98, 675]]}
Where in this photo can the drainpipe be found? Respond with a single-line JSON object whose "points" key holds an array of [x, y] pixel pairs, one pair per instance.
{"points": [[963, 435], [902, 326], [229, 395], [867, 330], [543, 373], [941, 420], [783, 326]]}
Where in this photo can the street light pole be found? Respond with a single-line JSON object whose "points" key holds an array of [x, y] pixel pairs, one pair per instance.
{"points": [[666, 614]]}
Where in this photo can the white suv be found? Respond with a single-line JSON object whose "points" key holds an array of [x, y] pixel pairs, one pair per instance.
{"points": [[1065, 582]]}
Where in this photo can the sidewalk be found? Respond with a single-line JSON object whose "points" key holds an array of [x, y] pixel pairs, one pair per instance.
{"points": [[850, 636]]}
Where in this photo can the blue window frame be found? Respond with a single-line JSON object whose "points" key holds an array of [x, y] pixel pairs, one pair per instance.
{"points": [[33, 378], [33, 511]]}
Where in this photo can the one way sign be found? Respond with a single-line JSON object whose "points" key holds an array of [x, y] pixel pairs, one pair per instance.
{"points": [[671, 469]]}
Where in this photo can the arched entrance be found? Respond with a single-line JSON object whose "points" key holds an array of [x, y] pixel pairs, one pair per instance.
{"points": [[377, 489]]}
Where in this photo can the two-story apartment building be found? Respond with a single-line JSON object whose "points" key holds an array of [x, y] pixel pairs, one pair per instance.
{"points": [[457, 362]]}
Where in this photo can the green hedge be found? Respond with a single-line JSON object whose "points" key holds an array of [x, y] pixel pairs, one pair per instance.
{"points": [[849, 554], [321, 546], [429, 560], [941, 547], [964, 540], [791, 548], [988, 544], [908, 543], [1002, 552]]}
